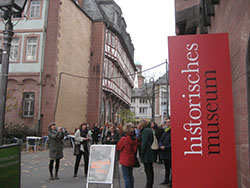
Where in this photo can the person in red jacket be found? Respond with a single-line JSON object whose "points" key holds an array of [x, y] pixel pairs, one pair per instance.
{"points": [[127, 146]]}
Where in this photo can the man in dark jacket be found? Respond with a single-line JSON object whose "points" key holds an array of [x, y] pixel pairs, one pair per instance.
{"points": [[158, 133], [165, 154]]}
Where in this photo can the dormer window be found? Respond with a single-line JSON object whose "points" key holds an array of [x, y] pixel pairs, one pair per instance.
{"points": [[116, 18]]}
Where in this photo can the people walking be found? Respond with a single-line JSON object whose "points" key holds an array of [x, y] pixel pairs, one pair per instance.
{"points": [[147, 155], [165, 146], [127, 146], [55, 148], [81, 141]]}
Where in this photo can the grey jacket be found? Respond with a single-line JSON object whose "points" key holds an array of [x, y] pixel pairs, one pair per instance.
{"points": [[55, 144]]}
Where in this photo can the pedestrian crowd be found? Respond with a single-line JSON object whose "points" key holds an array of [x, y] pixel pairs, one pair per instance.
{"points": [[147, 141]]}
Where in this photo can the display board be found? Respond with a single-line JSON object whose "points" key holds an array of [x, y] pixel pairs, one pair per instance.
{"points": [[202, 118], [101, 164], [10, 166]]}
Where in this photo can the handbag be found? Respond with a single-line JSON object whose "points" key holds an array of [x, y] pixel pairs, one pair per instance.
{"points": [[137, 163], [155, 145], [77, 149]]}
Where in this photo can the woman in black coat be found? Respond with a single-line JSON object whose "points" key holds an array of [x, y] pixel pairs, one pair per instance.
{"points": [[165, 153], [55, 148]]}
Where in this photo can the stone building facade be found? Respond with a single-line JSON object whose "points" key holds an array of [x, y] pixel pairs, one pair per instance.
{"points": [[51, 46], [71, 62], [111, 64], [148, 96], [232, 17], [66, 64]]}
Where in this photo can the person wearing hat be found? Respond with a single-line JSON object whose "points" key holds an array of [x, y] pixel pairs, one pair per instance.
{"points": [[55, 148]]}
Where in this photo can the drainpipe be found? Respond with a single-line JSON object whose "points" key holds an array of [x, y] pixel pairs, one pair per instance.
{"points": [[101, 88], [41, 67]]}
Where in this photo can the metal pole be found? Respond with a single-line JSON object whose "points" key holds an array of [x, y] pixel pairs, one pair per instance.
{"points": [[8, 33], [153, 99], [153, 103], [167, 84]]}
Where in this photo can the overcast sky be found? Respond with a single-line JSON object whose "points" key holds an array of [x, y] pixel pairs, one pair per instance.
{"points": [[149, 23]]}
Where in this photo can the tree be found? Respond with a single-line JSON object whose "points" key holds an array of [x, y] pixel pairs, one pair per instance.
{"points": [[126, 116]]}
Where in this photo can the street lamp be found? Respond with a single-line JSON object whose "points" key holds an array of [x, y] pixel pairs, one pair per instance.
{"points": [[10, 8]]}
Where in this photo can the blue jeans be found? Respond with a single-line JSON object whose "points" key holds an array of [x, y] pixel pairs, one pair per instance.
{"points": [[128, 176]]}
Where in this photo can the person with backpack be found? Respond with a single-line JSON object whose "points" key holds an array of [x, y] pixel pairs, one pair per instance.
{"points": [[147, 155]]}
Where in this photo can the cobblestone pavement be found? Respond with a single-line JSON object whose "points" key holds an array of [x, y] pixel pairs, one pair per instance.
{"points": [[34, 173]]}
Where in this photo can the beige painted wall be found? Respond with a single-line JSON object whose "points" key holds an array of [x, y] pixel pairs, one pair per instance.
{"points": [[73, 58]]}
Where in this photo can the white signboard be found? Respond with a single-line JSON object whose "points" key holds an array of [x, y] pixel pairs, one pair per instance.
{"points": [[101, 164]]}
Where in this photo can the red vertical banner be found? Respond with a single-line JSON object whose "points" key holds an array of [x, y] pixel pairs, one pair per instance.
{"points": [[203, 140]]}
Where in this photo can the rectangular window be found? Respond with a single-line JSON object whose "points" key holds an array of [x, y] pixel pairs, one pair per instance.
{"points": [[28, 104], [14, 49], [163, 94], [35, 7], [115, 75], [133, 109], [143, 110], [113, 41], [31, 49], [133, 100], [143, 101], [106, 68], [110, 69]]}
